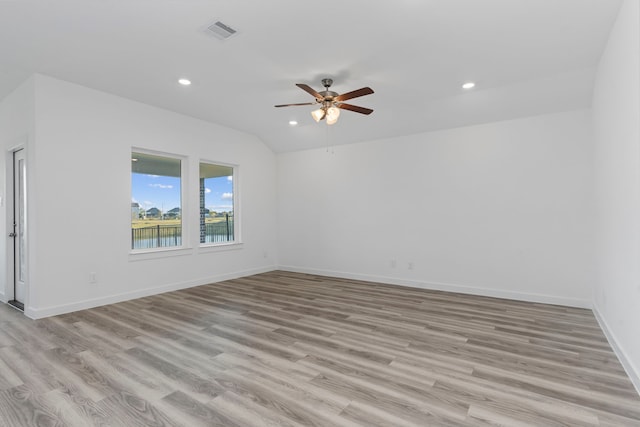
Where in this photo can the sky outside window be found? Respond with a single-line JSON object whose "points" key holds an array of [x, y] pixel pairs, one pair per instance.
{"points": [[155, 191], [218, 194], [163, 192]]}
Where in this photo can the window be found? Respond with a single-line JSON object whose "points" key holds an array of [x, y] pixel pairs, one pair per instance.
{"points": [[217, 220], [156, 209]]}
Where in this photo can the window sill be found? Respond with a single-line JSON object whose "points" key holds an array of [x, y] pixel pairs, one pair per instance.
{"points": [[219, 247], [142, 255]]}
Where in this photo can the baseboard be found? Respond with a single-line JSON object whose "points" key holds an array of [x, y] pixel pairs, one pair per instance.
{"points": [[39, 313], [632, 371], [449, 287]]}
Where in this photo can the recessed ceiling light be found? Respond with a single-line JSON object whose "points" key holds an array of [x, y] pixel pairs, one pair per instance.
{"points": [[293, 122], [134, 159], [468, 85], [184, 82]]}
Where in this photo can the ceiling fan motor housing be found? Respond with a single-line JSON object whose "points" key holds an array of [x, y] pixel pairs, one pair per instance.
{"points": [[327, 95]]}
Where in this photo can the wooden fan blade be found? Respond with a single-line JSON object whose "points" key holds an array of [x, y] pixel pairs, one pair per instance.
{"points": [[354, 94], [355, 108], [293, 105], [310, 90]]}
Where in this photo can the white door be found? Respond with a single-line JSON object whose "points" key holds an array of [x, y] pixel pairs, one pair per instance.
{"points": [[19, 222]]}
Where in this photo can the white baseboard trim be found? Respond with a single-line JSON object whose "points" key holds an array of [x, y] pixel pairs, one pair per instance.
{"points": [[449, 287], [39, 313], [632, 371]]}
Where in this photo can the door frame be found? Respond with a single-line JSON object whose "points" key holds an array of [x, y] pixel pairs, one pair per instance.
{"points": [[9, 210]]}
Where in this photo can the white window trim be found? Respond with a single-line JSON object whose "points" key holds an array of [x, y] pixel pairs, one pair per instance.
{"points": [[154, 253], [206, 248], [185, 248], [237, 236]]}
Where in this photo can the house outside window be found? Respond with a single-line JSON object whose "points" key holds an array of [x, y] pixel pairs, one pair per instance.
{"points": [[156, 193], [217, 204]]}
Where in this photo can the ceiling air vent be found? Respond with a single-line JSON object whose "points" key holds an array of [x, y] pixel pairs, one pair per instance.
{"points": [[220, 30]]}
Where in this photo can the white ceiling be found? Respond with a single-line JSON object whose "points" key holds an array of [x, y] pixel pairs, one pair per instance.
{"points": [[527, 57]]}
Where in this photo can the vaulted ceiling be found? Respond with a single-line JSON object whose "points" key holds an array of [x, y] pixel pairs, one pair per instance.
{"points": [[526, 57]]}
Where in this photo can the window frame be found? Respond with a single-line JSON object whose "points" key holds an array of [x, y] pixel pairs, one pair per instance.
{"points": [[185, 245], [237, 238]]}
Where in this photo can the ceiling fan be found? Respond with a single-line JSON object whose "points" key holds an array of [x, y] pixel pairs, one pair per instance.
{"points": [[331, 102]]}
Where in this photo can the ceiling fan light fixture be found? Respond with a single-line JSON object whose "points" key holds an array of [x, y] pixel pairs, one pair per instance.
{"points": [[332, 115], [318, 114]]}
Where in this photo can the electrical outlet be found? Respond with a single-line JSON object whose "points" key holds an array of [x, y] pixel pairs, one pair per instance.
{"points": [[393, 263], [410, 265], [93, 277]]}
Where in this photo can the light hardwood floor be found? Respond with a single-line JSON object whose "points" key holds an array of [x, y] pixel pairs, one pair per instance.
{"points": [[290, 349]]}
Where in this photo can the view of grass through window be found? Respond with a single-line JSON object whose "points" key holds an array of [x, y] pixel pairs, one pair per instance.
{"points": [[156, 209]]}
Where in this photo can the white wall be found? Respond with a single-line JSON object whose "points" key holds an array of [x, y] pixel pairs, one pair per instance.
{"points": [[16, 130], [81, 212], [502, 209], [616, 117]]}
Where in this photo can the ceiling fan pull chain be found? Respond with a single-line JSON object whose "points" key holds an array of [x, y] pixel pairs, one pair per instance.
{"points": [[327, 137]]}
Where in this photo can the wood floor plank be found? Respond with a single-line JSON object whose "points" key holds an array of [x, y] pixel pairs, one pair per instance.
{"points": [[489, 395], [8, 378], [304, 408], [77, 410], [194, 383], [248, 413], [562, 391], [305, 390], [291, 349], [20, 407], [32, 369], [134, 411], [194, 413], [374, 416], [285, 367]]}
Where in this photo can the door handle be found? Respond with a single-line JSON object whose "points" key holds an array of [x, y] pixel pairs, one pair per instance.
{"points": [[12, 234]]}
